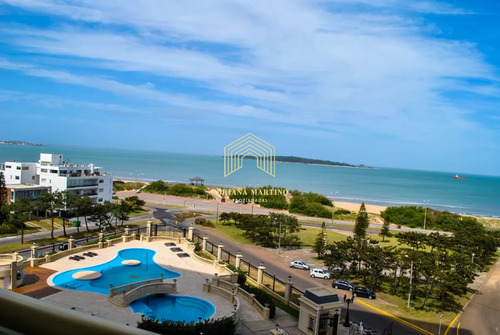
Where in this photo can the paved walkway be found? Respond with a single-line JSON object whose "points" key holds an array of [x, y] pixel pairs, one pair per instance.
{"points": [[35, 283]]}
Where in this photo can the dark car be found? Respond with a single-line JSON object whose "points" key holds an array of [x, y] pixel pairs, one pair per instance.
{"points": [[64, 246], [364, 292], [343, 284], [223, 200]]}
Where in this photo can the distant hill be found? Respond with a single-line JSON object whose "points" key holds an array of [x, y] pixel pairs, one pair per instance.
{"points": [[301, 160], [20, 143]]}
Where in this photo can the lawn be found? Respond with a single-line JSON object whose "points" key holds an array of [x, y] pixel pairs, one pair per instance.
{"points": [[138, 212]]}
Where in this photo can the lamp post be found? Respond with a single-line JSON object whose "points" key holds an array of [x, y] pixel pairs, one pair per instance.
{"points": [[346, 321], [425, 211], [411, 280], [440, 319], [279, 238], [472, 259], [333, 203]]}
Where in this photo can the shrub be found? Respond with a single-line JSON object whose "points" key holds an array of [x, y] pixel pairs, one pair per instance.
{"points": [[8, 229], [203, 222], [207, 327], [342, 211], [197, 247]]}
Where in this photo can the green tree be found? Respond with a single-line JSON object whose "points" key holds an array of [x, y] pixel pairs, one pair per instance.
{"points": [[339, 255], [83, 207], [19, 213], [319, 246], [361, 224], [122, 210], [101, 214], [385, 232], [50, 203], [3, 200]]}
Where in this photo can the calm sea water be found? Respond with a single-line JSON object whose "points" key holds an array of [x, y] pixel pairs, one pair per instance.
{"points": [[479, 195]]}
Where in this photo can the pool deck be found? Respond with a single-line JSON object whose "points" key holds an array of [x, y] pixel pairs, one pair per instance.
{"points": [[190, 283]]}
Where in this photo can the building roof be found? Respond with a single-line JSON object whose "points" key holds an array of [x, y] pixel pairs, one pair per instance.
{"points": [[197, 179], [321, 295], [26, 187]]}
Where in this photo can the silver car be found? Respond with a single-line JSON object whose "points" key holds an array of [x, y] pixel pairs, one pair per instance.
{"points": [[299, 265]]}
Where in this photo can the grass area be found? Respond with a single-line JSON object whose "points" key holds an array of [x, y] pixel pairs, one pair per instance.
{"points": [[490, 223], [187, 215], [138, 212], [27, 230], [45, 223], [308, 236], [230, 231], [427, 319], [119, 185], [6, 248]]}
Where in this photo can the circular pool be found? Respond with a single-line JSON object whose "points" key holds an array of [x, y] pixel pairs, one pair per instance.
{"points": [[173, 307]]}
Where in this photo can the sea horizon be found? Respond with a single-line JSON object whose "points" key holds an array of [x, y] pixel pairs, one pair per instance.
{"points": [[385, 186]]}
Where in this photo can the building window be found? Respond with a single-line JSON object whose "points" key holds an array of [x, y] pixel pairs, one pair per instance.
{"points": [[18, 168], [53, 171], [17, 177], [26, 168], [100, 199], [311, 323], [101, 181], [8, 167], [101, 190], [32, 177], [44, 180], [43, 170]]}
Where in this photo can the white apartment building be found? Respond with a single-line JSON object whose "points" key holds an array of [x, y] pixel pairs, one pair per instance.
{"points": [[52, 171], [16, 173]]}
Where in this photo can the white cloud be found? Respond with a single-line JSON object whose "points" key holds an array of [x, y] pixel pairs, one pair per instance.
{"points": [[291, 62]]}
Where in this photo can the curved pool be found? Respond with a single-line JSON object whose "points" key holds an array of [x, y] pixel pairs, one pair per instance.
{"points": [[173, 307], [129, 266]]}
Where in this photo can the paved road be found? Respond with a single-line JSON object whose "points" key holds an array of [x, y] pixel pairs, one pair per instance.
{"points": [[481, 315], [277, 265], [57, 232]]}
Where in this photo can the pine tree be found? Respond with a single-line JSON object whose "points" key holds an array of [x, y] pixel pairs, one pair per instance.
{"points": [[384, 232], [361, 224], [319, 246], [4, 213]]}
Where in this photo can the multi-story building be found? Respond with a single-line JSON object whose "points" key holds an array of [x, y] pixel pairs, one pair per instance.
{"points": [[28, 191], [52, 171], [19, 173]]}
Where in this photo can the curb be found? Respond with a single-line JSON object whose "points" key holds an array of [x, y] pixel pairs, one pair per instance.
{"points": [[406, 323]]}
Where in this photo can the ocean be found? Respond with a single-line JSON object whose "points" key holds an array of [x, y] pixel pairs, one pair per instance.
{"points": [[477, 195]]}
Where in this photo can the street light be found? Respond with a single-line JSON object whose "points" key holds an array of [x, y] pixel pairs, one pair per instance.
{"points": [[472, 259], [425, 211], [346, 321], [279, 237], [411, 280]]}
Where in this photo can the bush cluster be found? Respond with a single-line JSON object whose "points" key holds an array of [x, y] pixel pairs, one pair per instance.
{"points": [[207, 327]]}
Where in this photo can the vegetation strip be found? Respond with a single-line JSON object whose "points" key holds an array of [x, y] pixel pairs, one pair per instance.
{"points": [[409, 324]]}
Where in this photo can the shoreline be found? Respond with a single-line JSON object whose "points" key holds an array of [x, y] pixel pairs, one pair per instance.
{"points": [[353, 206]]}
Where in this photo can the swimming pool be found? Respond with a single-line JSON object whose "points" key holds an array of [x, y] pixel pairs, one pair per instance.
{"points": [[142, 267], [173, 307]]}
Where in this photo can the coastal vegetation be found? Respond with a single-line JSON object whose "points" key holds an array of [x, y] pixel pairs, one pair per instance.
{"points": [[416, 216], [265, 230], [181, 190], [119, 185], [310, 204]]}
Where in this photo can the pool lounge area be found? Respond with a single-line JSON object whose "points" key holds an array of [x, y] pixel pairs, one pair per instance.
{"points": [[90, 296]]}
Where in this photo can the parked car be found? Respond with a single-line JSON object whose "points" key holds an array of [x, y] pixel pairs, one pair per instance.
{"points": [[63, 246], [364, 292], [237, 201], [343, 284], [138, 191], [319, 273], [299, 265], [222, 199]]}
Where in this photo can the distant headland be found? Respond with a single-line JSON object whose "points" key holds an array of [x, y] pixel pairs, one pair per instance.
{"points": [[301, 160], [20, 143]]}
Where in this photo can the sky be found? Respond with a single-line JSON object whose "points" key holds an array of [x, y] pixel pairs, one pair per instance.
{"points": [[408, 84]]}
